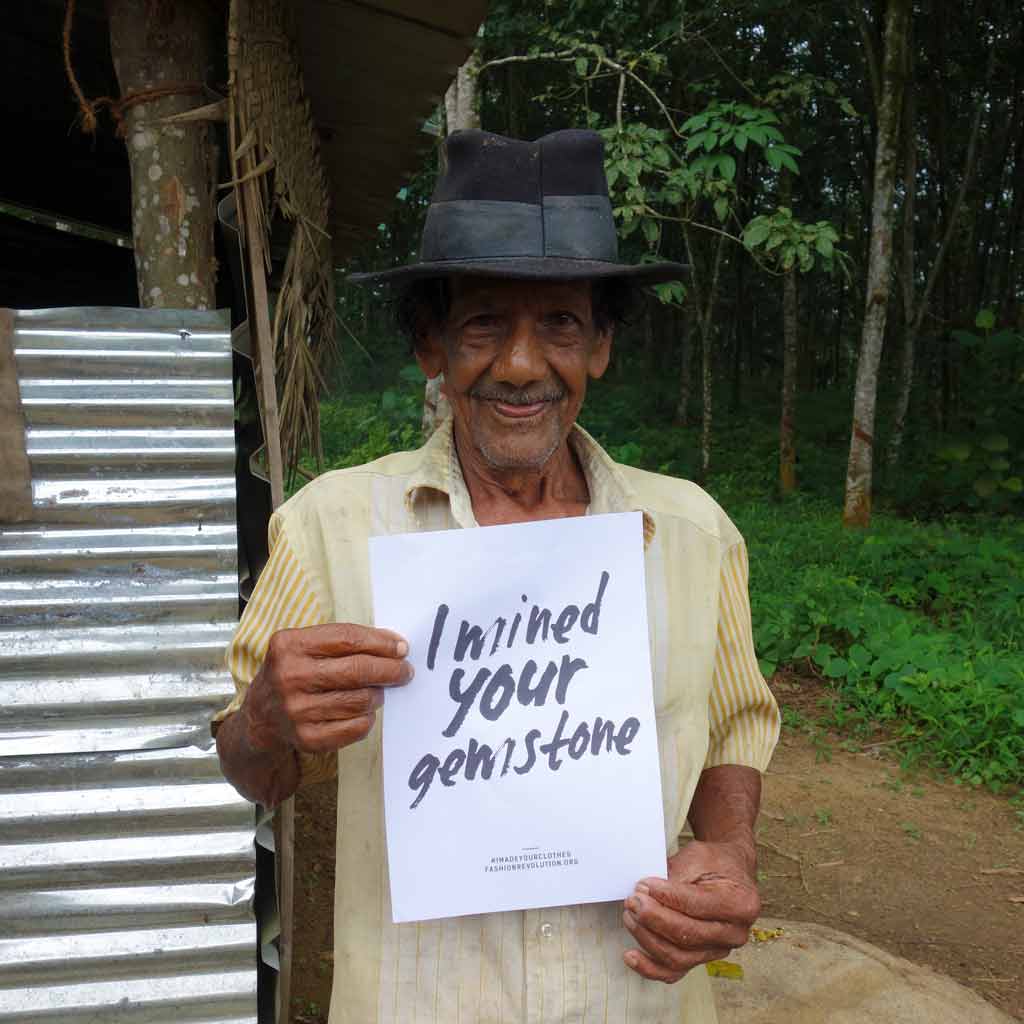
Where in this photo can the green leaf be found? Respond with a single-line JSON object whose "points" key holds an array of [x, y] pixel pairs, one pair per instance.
{"points": [[671, 293], [741, 139], [959, 451], [661, 157], [824, 245], [757, 231], [788, 162], [650, 230], [774, 157], [758, 133], [859, 655], [836, 668], [996, 443], [985, 320], [722, 207], [727, 167], [581, 66], [695, 142], [985, 486], [1013, 484], [999, 463]]}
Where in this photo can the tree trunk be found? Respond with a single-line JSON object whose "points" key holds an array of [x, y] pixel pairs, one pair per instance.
{"points": [[705, 433], [790, 357], [908, 283], [686, 369], [162, 55], [460, 101], [857, 504]]}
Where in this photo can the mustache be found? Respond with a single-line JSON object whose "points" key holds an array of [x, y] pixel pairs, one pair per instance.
{"points": [[517, 396]]}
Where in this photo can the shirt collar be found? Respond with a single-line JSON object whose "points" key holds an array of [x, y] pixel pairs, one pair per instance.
{"points": [[439, 470]]}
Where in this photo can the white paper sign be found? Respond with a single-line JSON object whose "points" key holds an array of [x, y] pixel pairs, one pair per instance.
{"points": [[521, 763]]}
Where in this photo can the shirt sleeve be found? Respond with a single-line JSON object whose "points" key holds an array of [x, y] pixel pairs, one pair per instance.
{"points": [[283, 598], [744, 716]]}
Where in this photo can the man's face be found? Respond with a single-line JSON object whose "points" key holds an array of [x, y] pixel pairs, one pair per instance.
{"points": [[516, 356]]}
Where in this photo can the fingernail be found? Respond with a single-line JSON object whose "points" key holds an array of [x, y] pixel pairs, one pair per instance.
{"points": [[643, 888], [632, 903], [631, 958], [409, 671], [629, 919], [402, 648]]}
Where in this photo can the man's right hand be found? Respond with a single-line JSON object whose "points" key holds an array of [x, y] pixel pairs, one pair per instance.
{"points": [[319, 687]]}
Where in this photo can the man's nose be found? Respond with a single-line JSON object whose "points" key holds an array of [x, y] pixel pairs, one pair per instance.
{"points": [[520, 360]]}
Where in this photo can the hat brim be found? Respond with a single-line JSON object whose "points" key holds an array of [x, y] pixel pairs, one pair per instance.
{"points": [[526, 268]]}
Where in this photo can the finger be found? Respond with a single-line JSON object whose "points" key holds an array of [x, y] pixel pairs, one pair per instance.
{"points": [[682, 930], [335, 705], [337, 639], [647, 968], [356, 671], [666, 953], [319, 737], [720, 899]]}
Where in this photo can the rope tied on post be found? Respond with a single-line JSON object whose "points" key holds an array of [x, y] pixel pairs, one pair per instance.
{"points": [[118, 107]]}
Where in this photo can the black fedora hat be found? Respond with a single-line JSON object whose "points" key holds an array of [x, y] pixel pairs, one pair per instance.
{"points": [[529, 210]]}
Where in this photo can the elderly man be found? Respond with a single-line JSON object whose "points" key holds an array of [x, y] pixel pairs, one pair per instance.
{"points": [[514, 300]]}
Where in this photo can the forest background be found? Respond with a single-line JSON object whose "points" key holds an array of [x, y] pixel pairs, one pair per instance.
{"points": [[843, 367]]}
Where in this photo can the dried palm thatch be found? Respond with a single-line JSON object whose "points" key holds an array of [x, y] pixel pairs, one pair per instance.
{"points": [[274, 143]]}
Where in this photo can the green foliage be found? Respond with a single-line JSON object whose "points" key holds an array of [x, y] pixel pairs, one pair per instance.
{"points": [[658, 174], [979, 463], [361, 428], [920, 625], [789, 242]]}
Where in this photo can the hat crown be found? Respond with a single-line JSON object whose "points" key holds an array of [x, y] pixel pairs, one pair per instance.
{"points": [[482, 165], [500, 198]]}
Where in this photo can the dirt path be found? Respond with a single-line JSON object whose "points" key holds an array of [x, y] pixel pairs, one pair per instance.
{"points": [[917, 865]]}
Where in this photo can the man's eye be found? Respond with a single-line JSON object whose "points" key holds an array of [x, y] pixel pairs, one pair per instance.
{"points": [[482, 322], [562, 319]]}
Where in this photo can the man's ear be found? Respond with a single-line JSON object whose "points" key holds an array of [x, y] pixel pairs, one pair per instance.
{"points": [[429, 352], [600, 354]]}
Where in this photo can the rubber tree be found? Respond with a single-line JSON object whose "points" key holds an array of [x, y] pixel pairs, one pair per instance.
{"points": [[857, 504], [163, 55]]}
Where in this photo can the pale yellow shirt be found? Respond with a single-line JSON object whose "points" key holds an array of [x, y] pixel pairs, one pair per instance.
{"points": [[561, 964]]}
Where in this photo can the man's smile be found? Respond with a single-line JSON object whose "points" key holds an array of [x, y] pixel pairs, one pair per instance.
{"points": [[520, 412]]}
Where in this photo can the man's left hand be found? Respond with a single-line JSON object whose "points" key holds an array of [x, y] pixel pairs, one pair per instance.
{"points": [[701, 912]]}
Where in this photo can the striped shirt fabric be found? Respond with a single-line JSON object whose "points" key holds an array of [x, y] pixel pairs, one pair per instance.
{"points": [[712, 706]]}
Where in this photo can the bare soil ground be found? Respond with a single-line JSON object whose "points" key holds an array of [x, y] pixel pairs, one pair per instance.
{"points": [[925, 868]]}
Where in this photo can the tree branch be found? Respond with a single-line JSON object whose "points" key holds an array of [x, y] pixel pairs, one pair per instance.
{"points": [[565, 56]]}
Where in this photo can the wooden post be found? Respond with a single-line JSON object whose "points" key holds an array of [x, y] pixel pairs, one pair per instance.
{"points": [[248, 203], [259, 316], [259, 325]]}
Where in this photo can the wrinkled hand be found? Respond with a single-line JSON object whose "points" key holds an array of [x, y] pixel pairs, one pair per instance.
{"points": [[700, 913], [319, 687]]}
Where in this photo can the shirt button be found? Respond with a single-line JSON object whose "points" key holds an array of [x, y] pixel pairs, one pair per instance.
{"points": [[547, 930]]}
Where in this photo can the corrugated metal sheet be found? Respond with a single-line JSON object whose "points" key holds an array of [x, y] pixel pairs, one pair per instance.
{"points": [[126, 862]]}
